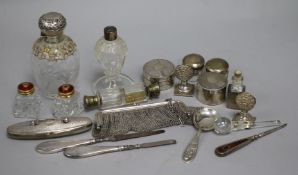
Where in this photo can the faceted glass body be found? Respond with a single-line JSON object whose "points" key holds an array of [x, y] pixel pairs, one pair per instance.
{"points": [[111, 97], [27, 106], [66, 107], [111, 55], [55, 61], [114, 97]]}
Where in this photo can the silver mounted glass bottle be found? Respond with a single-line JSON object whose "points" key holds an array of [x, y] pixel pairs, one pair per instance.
{"points": [[235, 88], [111, 51], [55, 59]]}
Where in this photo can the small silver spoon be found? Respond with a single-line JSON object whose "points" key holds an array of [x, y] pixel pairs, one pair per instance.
{"points": [[203, 119]]}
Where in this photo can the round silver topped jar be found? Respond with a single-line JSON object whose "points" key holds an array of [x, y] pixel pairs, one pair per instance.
{"points": [[217, 65], [211, 88], [159, 71]]}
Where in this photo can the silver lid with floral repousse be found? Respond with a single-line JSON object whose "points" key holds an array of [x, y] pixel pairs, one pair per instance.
{"points": [[54, 45], [52, 22]]}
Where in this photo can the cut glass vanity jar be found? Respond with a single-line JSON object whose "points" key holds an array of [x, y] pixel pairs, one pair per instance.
{"points": [[27, 102], [67, 103], [55, 59]]}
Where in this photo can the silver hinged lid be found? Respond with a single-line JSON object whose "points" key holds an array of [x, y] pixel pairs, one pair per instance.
{"points": [[52, 22]]}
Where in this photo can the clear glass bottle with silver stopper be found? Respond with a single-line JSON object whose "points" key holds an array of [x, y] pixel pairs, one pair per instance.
{"points": [[111, 51], [27, 102], [55, 58], [67, 103], [235, 88], [119, 96]]}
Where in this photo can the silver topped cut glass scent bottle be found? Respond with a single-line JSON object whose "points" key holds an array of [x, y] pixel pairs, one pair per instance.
{"points": [[67, 103], [27, 102], [234, 88], [55, 58], [111, 51]]}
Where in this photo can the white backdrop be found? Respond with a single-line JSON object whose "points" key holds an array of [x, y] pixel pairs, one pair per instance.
{"points": [[258, 37]]}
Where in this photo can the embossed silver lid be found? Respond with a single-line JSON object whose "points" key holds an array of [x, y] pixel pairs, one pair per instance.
{"points": [[158, 69], [52, 23]]}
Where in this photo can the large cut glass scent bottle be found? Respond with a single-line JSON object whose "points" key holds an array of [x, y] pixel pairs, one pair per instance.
{"points": [[55, 59], [111, 51]]}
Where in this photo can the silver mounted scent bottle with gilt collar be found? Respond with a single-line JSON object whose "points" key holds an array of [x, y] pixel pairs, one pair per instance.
{"points": [[55, 60]]}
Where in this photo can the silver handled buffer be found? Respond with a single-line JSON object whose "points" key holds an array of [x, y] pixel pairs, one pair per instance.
{"points": [[88, 151]]}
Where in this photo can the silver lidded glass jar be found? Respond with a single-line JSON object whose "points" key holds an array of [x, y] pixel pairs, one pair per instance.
{"points": [[55, 60], [27, 102], [67, 103]]}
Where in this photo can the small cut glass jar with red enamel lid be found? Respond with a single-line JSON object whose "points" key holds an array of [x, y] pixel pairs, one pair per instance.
{"points": [[67, 103], [27, 102]]}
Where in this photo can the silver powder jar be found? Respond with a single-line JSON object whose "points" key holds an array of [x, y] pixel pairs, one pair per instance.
{"points": [[159, 71], [211, 88]]}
